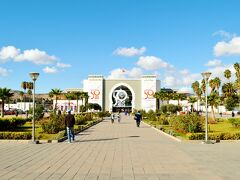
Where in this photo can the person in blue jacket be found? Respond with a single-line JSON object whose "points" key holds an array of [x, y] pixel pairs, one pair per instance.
{"points": [[138, 118]]}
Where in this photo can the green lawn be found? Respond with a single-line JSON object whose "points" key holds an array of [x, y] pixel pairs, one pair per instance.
{"points": [[224, 126]]}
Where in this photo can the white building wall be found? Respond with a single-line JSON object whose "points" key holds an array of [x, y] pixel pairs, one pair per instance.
{"points": [[94, 86], [148, 88]]}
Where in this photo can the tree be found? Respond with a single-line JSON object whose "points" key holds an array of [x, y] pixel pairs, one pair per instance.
{"points": [[227, 74], [213, 101], [179, 97], [192, 100], [24, 86], [21, 94], [69, 96], [85, 95], [5, 94], [197, 90], [78, 95], [231, 102], [56, 93]]}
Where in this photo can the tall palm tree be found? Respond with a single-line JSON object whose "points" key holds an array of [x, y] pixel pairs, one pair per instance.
{"points": [[55, 92], [214, 101], [227, 74], [24, 86], [21, 94], [4, 95], [237, 82], [85, 95], [78, 95], [192, 100], [203, 86], [197, 90], [69, 96], [29, 92], [179, 97]]}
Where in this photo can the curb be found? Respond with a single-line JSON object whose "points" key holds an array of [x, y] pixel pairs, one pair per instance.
{"points": [[168, 135]]}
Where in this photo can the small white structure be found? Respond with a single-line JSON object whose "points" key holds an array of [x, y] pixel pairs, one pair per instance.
{"points": [[25, 106]]}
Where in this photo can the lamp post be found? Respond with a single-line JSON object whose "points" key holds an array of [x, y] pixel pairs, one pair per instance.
{"points": [[206, 76], [34, 76]]}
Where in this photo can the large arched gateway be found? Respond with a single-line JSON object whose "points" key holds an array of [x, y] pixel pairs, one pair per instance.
{"points": [[121, 98], [122, 94]]}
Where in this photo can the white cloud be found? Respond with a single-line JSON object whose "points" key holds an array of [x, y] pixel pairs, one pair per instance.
{"points": [[50, 70], [3, 72], [214, 63], [117, 74], [63, 65], [132, 51], [224, 34], [124, 73], [8, 52], [35, 56], [228, 48], [152, 63], [135, 73]]}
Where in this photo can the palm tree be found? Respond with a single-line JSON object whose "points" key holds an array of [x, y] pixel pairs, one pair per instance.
{"points": [[197, 90], [56, 93], [237, 82], [5, 94], [78, 95], [214, 101], [227, 74], [203, 86], [69, 96], [21, 94], [85, 99], [24, 86], [179, 97], [192, 100], [29, 92]]}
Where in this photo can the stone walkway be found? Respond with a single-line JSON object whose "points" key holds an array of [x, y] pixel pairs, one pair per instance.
{"points": [[120, 151]]}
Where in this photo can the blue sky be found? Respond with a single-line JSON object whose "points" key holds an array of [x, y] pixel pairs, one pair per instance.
{"points": [[66, 40]]}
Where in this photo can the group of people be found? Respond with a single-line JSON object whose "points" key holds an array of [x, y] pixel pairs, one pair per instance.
{"points": [[137, 117], [70, 121]]}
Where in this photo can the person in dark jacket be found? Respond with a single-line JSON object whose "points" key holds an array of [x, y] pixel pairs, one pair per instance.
{"points": [[138, 118], [69, 123]]}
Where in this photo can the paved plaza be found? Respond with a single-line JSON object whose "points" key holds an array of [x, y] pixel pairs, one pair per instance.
{"points": [[120, 151]]}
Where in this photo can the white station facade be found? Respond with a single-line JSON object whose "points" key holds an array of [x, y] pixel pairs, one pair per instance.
{"points": [[122, 94]]}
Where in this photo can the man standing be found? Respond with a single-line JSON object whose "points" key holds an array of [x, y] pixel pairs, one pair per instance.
{"points": [[69, 123], [138, 118]]}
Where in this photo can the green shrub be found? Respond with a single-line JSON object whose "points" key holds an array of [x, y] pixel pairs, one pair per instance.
{"points": [[15, 135], [163, 119], [187, 123], [83, 118], [214, 136], [11, 123], [235, 122], [170, 108], [53, 124], [38, 112]]}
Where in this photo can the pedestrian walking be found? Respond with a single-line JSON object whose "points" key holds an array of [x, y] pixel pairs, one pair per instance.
{"points": [[119, 117], [138, 118], [69, 123], [112, 117]]}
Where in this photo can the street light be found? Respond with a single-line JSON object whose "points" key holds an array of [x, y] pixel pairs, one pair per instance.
{"points": [[34, 76], [206, 76]]}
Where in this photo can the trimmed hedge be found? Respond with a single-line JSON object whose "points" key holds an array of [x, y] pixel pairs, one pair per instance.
{"points": [[15, 135], [214, 136], [11, 123]]}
